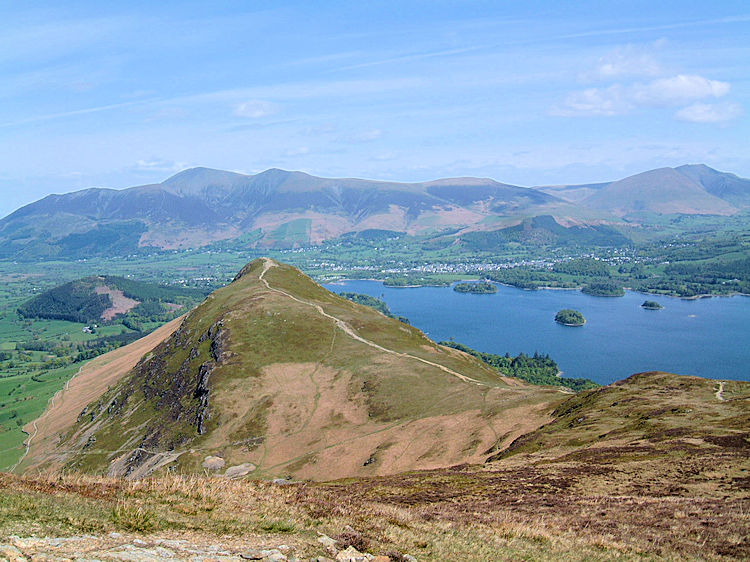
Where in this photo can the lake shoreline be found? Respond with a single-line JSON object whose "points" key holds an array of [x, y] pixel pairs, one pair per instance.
{"points": [[543, 288], [571, 325]]}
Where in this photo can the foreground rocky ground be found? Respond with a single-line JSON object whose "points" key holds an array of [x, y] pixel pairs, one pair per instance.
{"points": [[119, 546]]}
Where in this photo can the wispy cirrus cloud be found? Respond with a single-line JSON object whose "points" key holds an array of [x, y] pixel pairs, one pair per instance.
{"points": [[255, 109], [740, 18], [58, 38], [75, 112], [411, 57]]}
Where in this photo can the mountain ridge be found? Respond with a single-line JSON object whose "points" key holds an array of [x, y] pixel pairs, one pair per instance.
{"points": [[279, 208], [278, 376]]}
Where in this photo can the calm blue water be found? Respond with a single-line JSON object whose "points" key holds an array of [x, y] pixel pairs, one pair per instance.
{"points": [[705, 337]]}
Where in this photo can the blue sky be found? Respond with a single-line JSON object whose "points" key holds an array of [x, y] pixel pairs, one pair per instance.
{"points": [[126, 93]]}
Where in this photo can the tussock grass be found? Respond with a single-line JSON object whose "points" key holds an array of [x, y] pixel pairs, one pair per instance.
{"points": [[467, 513], [132, 518]]}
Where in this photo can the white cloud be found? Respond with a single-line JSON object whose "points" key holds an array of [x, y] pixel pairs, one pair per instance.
{"points": [[678, 89], [626, 61], [618, 99], [255, 109], [594, 102], [384, 156], [710, 113]]}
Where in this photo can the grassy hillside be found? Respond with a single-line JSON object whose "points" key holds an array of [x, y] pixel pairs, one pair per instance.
{"points": [[647, 416], [544, 230], [280, 376]]}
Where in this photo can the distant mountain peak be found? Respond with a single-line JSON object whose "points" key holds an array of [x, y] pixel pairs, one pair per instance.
{"points": [[663, 190], [724, 185], [277, 174], [198, 172], [702, 167]]}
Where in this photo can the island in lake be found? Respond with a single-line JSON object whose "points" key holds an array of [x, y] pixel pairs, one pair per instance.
{"points": [[570, 317], [651, 305], [481, 288]]}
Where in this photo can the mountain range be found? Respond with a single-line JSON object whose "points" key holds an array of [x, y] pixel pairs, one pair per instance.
{"points": [[278, 208]]}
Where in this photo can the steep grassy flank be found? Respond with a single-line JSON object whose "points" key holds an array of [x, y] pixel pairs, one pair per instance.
{"points": [[90, 381], [278, 375], [648, 417]]}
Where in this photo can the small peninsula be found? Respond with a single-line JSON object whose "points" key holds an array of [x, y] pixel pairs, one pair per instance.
{"points": [[481, 288], [603, 289], [570, 317], [651, 305]]}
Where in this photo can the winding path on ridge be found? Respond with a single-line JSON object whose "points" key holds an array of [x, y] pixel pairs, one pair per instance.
{"points": [[720, 392], [344, 327]]}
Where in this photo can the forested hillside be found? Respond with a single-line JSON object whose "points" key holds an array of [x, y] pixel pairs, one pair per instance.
{"points": [[87, 300]]}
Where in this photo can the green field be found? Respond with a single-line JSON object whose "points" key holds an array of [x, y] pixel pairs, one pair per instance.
{"points": [[23, 398]]}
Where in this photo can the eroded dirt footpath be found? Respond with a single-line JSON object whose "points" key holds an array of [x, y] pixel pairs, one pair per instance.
{"points": [[344, 327]]}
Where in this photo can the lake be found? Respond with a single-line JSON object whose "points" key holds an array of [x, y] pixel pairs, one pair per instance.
{"points": [[705, 337]]}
